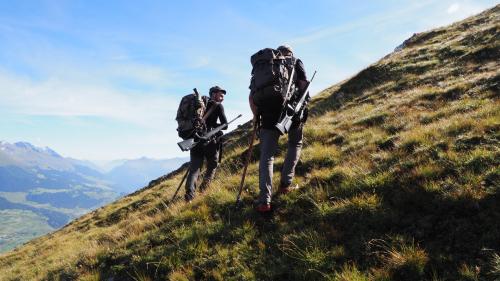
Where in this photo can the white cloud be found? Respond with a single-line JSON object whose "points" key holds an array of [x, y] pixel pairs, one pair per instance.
{"points": [[430, 18], [455, 12], [145, 74], [368, 21], [453, 8], [200, 61], [70, 97]]}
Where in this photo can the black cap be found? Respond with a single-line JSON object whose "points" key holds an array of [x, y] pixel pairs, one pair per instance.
{"points": [[216, 89]]}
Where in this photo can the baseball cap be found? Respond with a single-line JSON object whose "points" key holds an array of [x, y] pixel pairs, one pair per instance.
{"points": [[215, 89]]}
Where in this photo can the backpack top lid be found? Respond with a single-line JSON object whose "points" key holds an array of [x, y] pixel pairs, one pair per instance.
{"points": [[284, 49], [189, 113], [187, 107], [266, 55]]}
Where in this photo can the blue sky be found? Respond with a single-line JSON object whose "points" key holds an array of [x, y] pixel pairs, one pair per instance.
{"points": [[101, 80]]}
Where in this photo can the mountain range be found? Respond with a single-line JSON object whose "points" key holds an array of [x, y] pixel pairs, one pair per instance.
{"points": [[38, 184]]}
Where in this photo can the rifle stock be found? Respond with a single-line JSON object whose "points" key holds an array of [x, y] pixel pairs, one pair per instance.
{"points": [[188, 144], [290, 110]]}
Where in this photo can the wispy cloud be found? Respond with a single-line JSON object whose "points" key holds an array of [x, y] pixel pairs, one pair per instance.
{"points": [[69, 60], [369, 21], [145, 74], [455, 11], [453, 8], [345, 57], [200, 61], [57, 97]]}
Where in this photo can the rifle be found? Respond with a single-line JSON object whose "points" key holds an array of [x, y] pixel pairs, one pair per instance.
{"points": [[291, 109], [288, 94], [186, 145]]}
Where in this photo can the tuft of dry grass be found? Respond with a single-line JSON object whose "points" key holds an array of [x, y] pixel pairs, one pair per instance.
{"points": [[403, 260]]}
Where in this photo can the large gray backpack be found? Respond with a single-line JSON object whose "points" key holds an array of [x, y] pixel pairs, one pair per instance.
{"points": [[189, 115], [271, 73]]}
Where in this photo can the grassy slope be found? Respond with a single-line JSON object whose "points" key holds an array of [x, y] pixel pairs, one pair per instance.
{"points": [[400, 181]]}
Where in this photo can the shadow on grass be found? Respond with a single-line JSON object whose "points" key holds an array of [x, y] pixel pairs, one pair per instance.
{"points": [[239, 242]]}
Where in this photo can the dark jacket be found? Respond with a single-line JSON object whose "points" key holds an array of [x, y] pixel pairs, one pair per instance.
{"points": [[270, 112], [217, 115], [205, 148]]}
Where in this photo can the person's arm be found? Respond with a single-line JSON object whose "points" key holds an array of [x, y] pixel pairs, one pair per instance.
{"points": [[222, 116], [254, 109], [253, 106], [301, 75]]}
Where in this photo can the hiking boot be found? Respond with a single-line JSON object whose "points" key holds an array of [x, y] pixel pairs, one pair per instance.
{"points": [[188, 198], [204, 186], [263, 208], [287, 189]]}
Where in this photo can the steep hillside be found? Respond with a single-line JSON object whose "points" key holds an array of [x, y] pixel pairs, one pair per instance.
{"points": [[400, 178]]}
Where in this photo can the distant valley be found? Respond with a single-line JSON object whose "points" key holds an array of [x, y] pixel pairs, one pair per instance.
{"points": [[41, 191]]}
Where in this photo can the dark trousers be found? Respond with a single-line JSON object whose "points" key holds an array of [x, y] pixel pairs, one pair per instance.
{"points": [[268, 147], [210, 152]]}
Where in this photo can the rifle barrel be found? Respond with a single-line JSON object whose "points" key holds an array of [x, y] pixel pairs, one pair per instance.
{"points": [[218, 128], [186, 145], [302, 99]]}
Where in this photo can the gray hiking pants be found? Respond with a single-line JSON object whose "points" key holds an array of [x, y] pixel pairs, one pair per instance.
{"points": [[197, 154], [268, 147]]}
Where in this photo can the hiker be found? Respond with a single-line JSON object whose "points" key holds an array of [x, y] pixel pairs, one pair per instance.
{"points": [[267, 109], [207, 149]]}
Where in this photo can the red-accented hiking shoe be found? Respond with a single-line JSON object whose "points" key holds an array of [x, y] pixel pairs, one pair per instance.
{"points": [[288, 189], [263, 208]]}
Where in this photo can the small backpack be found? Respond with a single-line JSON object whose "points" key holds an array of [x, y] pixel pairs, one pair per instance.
{"points": [[190, 114], [271, 73]]}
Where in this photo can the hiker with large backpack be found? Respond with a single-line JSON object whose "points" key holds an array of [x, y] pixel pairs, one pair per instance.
{"points": [[277, 78], [197, 116]]}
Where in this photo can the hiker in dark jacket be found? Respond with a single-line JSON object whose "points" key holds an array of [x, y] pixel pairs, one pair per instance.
{"points": [[207, 149], [269, 113]]}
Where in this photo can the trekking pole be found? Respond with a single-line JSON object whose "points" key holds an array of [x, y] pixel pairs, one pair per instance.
{"points": [[247, 161], [179, 187]]}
